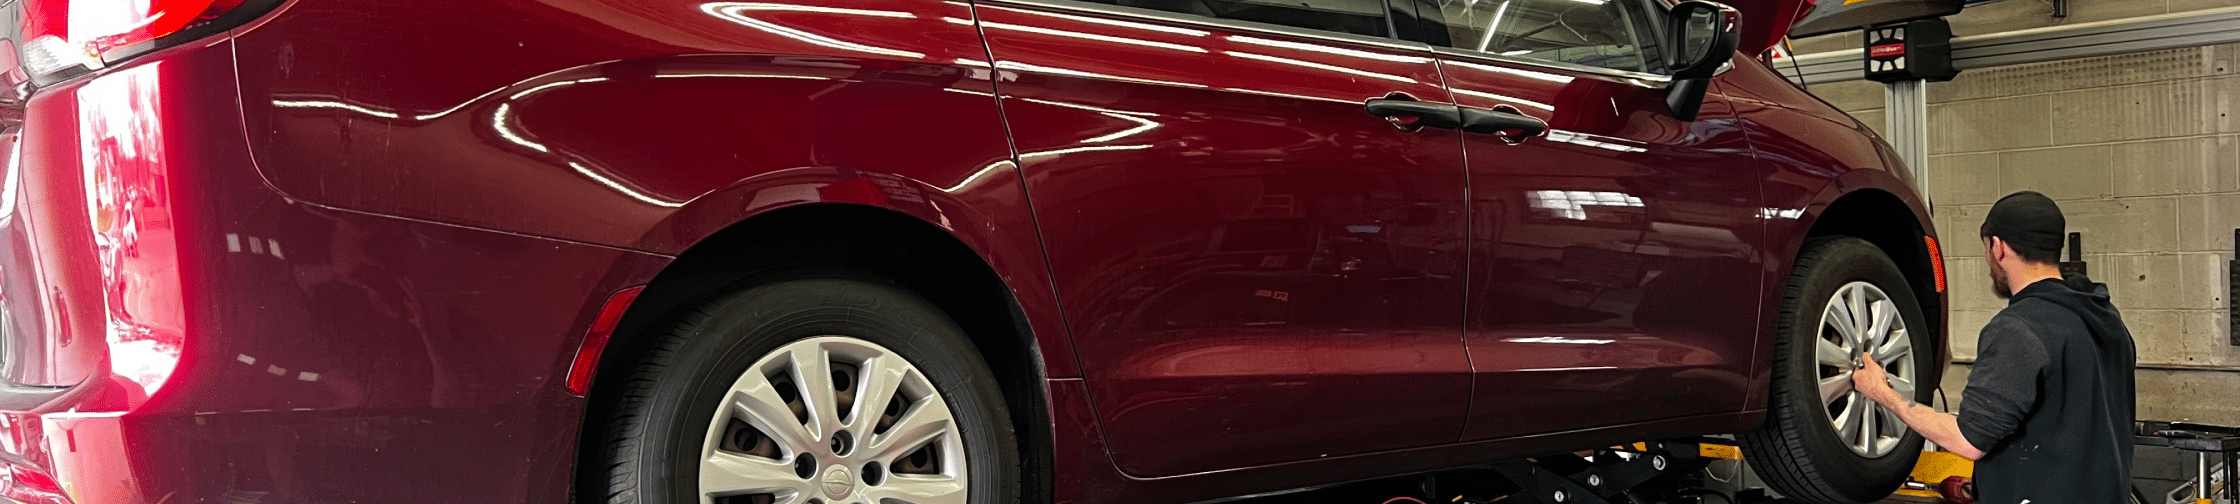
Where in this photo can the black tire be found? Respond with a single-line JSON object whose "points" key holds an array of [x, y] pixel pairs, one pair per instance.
{"points": [[656, 420], [1798, 451]]}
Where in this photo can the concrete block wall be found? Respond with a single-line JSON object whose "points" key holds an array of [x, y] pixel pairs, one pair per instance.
{"points": [[2142, 151], [2154, 186]]}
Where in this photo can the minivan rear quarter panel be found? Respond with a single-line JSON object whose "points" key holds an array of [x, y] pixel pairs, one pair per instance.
{"points": [[596, 121]]}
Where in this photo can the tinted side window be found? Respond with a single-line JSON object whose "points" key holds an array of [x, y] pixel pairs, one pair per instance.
{"points": [[1597, 33], [1359, 17]]}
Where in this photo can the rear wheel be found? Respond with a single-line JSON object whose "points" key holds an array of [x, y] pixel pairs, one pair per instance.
{"points": [[1823, 441], [810, 391]]}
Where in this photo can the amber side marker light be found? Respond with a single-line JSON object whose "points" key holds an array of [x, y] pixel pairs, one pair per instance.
{"points": [[587, 354], [1936, 260]]}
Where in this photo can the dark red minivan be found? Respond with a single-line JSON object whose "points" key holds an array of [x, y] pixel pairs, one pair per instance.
{"points": [[928, 251]]}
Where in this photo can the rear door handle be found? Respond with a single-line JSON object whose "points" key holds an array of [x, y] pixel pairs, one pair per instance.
{"points": [[1411, 114], [1503, 120]]}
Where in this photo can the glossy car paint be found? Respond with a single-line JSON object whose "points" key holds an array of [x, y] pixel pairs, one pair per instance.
{"points": [[643, 124], [1599, 246], [1250, 263], [256, 345], [265, 269], [1810, 156]]}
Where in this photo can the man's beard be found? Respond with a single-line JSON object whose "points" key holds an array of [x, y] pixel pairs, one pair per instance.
{"points": [[1999, 283]]}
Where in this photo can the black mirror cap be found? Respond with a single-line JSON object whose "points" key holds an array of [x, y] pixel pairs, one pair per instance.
{"points": [[1704, 36]]}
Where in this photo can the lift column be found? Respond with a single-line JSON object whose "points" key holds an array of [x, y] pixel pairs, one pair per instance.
{"points": [[1905, 56], [1907, 43]]}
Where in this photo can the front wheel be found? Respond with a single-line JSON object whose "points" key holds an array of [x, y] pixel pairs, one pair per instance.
{"points": [[811, 391], [1823, 441]]}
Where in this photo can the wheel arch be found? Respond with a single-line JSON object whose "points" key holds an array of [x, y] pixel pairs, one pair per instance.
{"points": [[1898, 226], [889, 243]]}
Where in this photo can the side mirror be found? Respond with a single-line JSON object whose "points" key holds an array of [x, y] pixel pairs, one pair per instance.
{"points": [[1703, 37]]}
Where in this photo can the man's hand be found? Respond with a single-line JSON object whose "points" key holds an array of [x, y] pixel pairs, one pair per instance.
{"points": [[1874, 383]]}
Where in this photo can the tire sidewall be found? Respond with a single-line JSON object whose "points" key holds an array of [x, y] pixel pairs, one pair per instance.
{"points": [[728, 335], [1857, 476]]}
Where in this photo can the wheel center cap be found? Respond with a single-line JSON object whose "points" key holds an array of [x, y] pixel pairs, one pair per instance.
{"points": [[838, 483]]}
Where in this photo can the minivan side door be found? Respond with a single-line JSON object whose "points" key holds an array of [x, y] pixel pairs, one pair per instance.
{"points": [[1615, 269], [1254, 268]]}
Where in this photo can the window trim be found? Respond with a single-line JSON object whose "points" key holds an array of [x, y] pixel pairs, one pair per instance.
{"points": [[1642, 79], [1086, 7], [1632, 30]]}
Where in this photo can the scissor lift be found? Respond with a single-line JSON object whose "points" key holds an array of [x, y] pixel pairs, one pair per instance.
{"points": [[2215, 447], [1681, 471], [1672, 471]]}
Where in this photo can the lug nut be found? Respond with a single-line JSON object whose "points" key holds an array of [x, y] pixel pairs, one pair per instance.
{"points": [[804, 465], [842, 442], [874, 474]]}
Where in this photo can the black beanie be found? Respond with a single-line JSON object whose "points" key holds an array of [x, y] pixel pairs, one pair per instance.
{"points": [[2027, 221]]}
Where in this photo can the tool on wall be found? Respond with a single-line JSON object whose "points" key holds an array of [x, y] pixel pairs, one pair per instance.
{"points": [[2075, 265]]}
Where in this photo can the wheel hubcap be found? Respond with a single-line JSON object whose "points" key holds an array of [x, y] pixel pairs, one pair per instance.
{"points": [[1861, 319], [838, 483], [870, 419]]}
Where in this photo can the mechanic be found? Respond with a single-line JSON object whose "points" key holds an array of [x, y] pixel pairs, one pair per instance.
{"points": [[2048, 410]]}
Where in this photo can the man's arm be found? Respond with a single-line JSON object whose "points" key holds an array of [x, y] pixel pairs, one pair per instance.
{"points": [[2002, 391], [1942, 428]]}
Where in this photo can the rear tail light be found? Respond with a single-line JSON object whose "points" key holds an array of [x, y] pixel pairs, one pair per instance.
{"points": [[65, 37], [30, 486]]}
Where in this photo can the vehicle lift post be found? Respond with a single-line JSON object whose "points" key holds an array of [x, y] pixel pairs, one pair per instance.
{"points": [[1638, 473], [1672, 471]]}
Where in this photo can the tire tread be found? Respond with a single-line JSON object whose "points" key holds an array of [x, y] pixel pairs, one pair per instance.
{"points": [[629, 462], [635, 391], [1778, 450]]}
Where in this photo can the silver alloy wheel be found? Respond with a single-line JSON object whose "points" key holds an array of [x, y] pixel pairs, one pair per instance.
{"points": [[833, 420], [1860, 318]]}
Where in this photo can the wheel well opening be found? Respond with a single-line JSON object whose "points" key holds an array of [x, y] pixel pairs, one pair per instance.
{"points": [[1882, 219], [910, 252]]}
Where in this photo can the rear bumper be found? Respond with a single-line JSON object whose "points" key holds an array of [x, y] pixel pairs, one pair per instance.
{"points": [[177, 331]]}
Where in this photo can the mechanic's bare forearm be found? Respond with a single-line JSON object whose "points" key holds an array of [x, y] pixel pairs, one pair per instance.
{"points": [[1942, 428]]}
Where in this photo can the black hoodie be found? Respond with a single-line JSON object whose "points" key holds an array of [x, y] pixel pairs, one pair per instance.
{"points": [[2049, 400]]}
